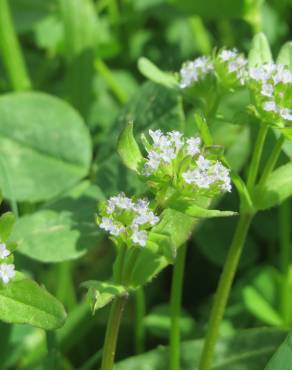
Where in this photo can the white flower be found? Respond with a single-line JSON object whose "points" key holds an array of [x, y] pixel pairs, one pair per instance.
{"points": [[267, 90], [7, 272], [270, 106], [139, 237], [155, 136], [4, 252], [194, 71], [109, 225], [120, 201], [176, 138], [193, 145], [200, 178], [286, 114], [203, 163], [226, 55]]}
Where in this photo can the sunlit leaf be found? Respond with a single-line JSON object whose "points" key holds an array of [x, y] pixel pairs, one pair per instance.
{"points": [[260, 52]]}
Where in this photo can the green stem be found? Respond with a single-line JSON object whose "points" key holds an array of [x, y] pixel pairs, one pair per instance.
{"points": [[285, 259], [272, 160], [52, 347], [107, 75], [223, 290], [175, 308], [113, 325], [11, 52], [139, 324], [255, 161]]}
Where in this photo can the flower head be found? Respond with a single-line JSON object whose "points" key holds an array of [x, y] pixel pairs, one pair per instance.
{"points": [[127, 219], [194, 71], [7, 272], [271, 85], [184, 166], [4, 252]]}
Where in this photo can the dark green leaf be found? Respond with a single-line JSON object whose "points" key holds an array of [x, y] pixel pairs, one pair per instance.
{"points": [[62, 230], [277, 188], [282, 359], [247, 350], [44, 145]]}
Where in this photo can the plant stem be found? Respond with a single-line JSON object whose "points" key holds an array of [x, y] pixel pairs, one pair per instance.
{"points": [[201, 35], [223, 290], [285, 258], [139, 324], [51, 362], [272, 160], [11, 52], [255, 161], [112, 331], [175, 307]]}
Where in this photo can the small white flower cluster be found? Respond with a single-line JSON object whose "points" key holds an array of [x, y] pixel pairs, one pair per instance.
{"points": [[195, 70], [236, 63], [130, 219], [171, 147], [207, 173], [198, 69], [7, 271], [272, 82]]}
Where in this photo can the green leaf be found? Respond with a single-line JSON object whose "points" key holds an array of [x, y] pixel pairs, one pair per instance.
{"points": [[247, 350], [277, 188], [128, 148], [260, 307], [198, 212], [6, 224], [203, 129], [285, 55], [22, 301], [282, 359], [260, 51], [153, 73], [62, 230], [44, 145], [102, 293]]}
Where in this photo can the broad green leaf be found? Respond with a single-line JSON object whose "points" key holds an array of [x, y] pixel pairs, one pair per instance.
{"points": [[62, 230], [246, 350], [6, 224], [287, 132], [259, 307], [282, 359], [153, 73], [277, 188], [285, 55], [128, 148], [260, 52], [101, 293], [44, 145], [23, 301]]}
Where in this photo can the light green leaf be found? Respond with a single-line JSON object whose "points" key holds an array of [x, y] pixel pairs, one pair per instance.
{"points": [[128, 148], [277, 188], [22, 301], [260, 307], [44, 145], [260, 51], [101, 293], [285, 55], [247, 350], [153, 73], [6, 224], [198, 212], [282, 359], [62, 230]]}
